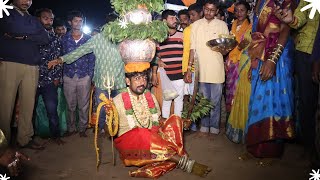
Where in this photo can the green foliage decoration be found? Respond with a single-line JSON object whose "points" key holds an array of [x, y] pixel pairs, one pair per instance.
{"points": [[124, 6], [201, 108], [156, 30]]}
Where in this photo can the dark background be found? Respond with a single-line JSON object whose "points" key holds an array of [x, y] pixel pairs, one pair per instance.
{"points": [[95, 11]]}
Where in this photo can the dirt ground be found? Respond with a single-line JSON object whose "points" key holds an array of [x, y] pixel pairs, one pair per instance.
{"points": [[76, 161]]}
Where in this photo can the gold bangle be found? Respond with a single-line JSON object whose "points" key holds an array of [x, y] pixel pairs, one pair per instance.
{"points": [[294, 21], [280, 46], [272, 61]]}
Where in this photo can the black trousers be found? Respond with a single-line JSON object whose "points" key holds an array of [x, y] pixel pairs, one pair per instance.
{"points": [[307, 98]]}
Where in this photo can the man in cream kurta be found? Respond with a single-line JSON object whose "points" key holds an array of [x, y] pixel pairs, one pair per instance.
{"points": [[211, 65]]}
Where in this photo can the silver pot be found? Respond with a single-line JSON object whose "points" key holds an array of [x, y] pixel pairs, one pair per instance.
{"points": [[137, 50], [138, 16]]}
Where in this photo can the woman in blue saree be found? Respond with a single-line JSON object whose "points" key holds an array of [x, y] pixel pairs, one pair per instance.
{"points": [[271, 102]]}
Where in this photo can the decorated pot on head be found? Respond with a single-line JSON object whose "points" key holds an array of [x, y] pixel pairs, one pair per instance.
{"points": [[136, 32], [138, 16], [137, 54]]}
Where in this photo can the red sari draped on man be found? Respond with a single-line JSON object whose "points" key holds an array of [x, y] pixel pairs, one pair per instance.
{"points": [[141, 140]]}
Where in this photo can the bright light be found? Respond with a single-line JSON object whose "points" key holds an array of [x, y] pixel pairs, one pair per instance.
{"points": [[314, 6], [86, 29]]}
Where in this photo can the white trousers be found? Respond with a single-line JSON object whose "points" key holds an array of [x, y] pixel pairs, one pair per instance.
{"points": [[178, 101]]}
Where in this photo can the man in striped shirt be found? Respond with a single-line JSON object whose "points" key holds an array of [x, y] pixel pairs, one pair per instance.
{"points": [[170, 53]]}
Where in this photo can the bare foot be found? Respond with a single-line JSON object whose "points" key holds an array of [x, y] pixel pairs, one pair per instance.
{"points": [[200, 170], [202, 134], [265, 162], [58, 141], [245, 156]]}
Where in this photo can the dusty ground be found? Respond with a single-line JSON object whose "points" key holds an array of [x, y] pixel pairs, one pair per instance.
{"points": [[76, 161]]}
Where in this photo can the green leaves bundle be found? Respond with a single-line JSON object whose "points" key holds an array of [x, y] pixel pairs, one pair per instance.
{"points": [[156, 30], [201, 108], [124, 6]]}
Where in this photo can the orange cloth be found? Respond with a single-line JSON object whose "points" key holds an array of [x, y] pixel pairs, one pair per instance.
{"points": [[150, 148], [234, 55], [136, 67], [231, 8], [188, 2]]}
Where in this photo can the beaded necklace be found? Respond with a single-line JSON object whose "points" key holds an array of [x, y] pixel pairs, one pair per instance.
{"points": [[143, 123]]}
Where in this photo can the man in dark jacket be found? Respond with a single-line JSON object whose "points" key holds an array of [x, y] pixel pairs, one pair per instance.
{"points": [[20, 37]]}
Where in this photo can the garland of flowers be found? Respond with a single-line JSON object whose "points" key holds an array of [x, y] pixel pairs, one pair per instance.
{"points": [[131, 109]]}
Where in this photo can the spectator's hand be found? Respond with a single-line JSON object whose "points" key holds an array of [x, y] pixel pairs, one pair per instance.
{"points": [[267, 70], [56, 82], [161, 63], [12, 160], [223, 51], [54, 62], [187, 77], [315, 72], [285, 15], [8, 36], [154, 79], [227, 65], [161, 121], [249, 74], [243, 44], [107, 108]]}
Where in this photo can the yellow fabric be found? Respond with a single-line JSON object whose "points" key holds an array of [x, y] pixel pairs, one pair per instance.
{"points": [[136, 67], [186, 48], [239, 111], [234, 55], [3, 143], [211, 65], [92, 121]]}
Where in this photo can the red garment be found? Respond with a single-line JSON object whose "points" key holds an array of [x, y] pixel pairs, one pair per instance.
{"points": [[150, 148]]}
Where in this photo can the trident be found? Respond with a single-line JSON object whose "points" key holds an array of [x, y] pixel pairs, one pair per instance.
{"points": [[109, 84]]}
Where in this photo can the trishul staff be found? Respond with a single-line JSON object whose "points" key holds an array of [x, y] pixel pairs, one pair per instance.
{"points": [[112, 118]]}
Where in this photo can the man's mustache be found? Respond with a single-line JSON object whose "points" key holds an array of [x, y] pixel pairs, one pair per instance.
{"points": [[142, 86]]}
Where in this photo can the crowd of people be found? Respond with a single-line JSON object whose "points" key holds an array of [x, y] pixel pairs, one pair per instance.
{"points": [[269, 81]]}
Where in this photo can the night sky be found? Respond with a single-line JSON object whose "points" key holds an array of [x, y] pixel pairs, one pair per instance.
{"points": [[95, 11]]}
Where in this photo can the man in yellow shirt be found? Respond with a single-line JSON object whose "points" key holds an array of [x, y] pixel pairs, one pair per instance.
{"points": [[195, 13], [211, 65]]}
